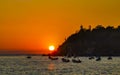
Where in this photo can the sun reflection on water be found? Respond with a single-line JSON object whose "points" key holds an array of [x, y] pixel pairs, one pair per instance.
{"points": [[51, 66]]}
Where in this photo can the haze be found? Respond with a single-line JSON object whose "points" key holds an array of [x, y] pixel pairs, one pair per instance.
{"points": [[33, 25]]}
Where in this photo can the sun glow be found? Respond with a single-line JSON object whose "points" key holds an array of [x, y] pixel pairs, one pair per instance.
{"points": [[51, 48]]}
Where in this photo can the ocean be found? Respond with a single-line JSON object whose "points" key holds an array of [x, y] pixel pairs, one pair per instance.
{"points": [[41, 65]]}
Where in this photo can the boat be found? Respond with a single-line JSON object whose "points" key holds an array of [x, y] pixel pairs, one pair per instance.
{"points": [[65, 60], [109, 58], [91, 57], [53, 58], [98, 59], [76, 60], [29, 57]]}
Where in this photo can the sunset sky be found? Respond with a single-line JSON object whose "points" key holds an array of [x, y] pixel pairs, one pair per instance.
{"points": [[33, 25]]}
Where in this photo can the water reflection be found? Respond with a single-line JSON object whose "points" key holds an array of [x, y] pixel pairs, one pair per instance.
{"points": [[51, 66]]}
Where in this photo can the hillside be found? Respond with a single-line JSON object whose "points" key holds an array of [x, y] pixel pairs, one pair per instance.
{"points": [[96, 41]]}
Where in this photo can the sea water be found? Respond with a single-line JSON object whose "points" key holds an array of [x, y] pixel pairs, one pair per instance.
{"points": [[41, 65]]}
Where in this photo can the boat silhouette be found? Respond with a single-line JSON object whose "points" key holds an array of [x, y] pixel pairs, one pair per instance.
{"points": [[91, 57], [98, 58], [76, 60], [109, 58], [29, 57], [65, 60], [53, 58]]}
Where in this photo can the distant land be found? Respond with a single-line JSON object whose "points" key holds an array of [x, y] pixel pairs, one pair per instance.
{"points": [[21, 53], [99, 41]]}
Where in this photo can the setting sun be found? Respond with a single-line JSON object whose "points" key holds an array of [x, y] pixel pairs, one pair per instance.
{"points": [[51, 48]]}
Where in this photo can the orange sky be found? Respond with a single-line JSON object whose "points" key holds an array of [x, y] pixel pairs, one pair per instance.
{"points": [[36, 24]]}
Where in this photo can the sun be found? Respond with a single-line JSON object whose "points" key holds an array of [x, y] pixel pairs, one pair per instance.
{"points": [[51, 48]]}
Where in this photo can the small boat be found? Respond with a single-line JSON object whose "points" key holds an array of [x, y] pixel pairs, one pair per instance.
{"points": [[91, 57], [29, 57], [53, 58], [65, 60], [109, 58], [98, 59], [76, 60]]}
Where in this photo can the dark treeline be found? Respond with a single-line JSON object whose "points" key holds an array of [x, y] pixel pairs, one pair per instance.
{"points": [[99, 41]]}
